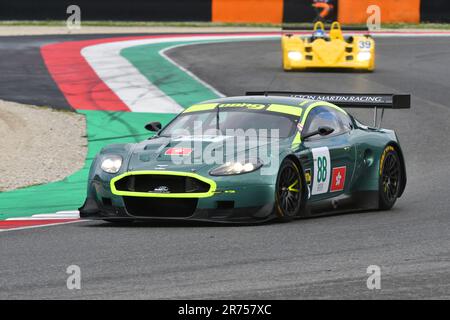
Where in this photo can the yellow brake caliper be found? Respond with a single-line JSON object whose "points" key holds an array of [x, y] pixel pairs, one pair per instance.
{"points": [[291, 187]]}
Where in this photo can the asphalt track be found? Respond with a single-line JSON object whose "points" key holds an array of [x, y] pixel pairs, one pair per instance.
{"points": [[313, 258]]}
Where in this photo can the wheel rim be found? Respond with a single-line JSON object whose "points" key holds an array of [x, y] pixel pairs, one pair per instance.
{"points": [[289, 190], [391, 177]]}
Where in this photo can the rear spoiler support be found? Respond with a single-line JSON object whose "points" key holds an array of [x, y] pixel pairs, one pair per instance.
{"points": [[308, 27], [349, 100], [375, 117]]}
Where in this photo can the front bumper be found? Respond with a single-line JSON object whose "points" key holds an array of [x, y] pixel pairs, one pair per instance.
{"points": [[240, 204], [317, 64], [90, 210]]}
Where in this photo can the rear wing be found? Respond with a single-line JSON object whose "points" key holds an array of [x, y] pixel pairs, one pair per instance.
{"points": [[309, 27], [350, 100], [335, 29]]}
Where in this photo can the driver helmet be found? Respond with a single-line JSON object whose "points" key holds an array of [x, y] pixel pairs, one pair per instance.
{"points": [[319, 33]]}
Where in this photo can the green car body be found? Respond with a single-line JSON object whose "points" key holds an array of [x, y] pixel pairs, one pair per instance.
{"points": [[338, 171]]}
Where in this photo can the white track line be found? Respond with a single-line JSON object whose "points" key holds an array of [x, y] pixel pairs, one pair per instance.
{"points": [[50, 216], [132, 87], [60, 215], [193, 76]]}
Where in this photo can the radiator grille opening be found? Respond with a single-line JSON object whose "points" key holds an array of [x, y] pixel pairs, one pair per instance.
{"points": [[160, 207], [161, 183]]}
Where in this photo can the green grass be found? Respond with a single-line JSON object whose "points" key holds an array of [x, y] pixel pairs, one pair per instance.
{"points": [[59, 23]]}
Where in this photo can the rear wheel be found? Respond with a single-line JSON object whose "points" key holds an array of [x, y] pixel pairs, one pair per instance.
{"points": [[288, 194], [390, 178]]}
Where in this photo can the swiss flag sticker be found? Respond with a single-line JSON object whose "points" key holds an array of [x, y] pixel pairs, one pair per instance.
{"points": [[338, 179], [178, 151]]}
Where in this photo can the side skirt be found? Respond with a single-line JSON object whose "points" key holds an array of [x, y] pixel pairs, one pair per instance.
{"points": [[359, 201]]}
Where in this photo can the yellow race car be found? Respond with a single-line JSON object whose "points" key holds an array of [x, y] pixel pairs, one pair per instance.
{"points": [[333, 50]]}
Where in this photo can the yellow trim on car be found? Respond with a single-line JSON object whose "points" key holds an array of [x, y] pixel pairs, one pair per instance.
{"points": [[201, 107], [251, 106], [297, 140], [210, 193], [304, 102], [281, 108]]}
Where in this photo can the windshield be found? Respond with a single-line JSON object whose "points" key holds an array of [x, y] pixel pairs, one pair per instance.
{"points": [[230, 120]]}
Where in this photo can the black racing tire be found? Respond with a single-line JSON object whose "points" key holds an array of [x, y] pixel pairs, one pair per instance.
{"points": [[390, 178], [288, 191]]}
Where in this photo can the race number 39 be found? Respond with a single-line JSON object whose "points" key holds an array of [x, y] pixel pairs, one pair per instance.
{"points": [[321, 170], [364, 45]]}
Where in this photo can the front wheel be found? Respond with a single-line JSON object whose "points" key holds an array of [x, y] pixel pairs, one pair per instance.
{"points": [[288, 193], [390, 178]]}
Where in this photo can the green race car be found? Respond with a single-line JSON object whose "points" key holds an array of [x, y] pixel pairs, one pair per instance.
{"points": [[251, 159]]}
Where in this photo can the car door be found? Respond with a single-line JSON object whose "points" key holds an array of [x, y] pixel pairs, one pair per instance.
{"points": [[331, 158]]}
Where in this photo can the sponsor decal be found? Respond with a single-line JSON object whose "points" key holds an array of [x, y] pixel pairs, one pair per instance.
{"points": [[338, 179], [178, 151], [161, 189], [255, 106], [308, 181], [322, 168], [308, 176], [346, 98]]}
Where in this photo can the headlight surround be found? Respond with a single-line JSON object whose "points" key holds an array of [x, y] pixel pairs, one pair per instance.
{"points": [[236, 167], [295, 55], [111, 164], [364, 56]]}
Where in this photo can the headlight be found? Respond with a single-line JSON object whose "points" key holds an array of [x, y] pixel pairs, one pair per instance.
{"points": [[233, 168], [111, 164], [364, 56], [295, 55]]}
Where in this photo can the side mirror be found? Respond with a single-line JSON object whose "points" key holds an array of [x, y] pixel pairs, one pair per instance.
{"points": [[153, 126], [322, 131]]}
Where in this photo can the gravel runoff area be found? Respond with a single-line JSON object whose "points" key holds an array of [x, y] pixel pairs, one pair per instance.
{"points": [[39, 145]]}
